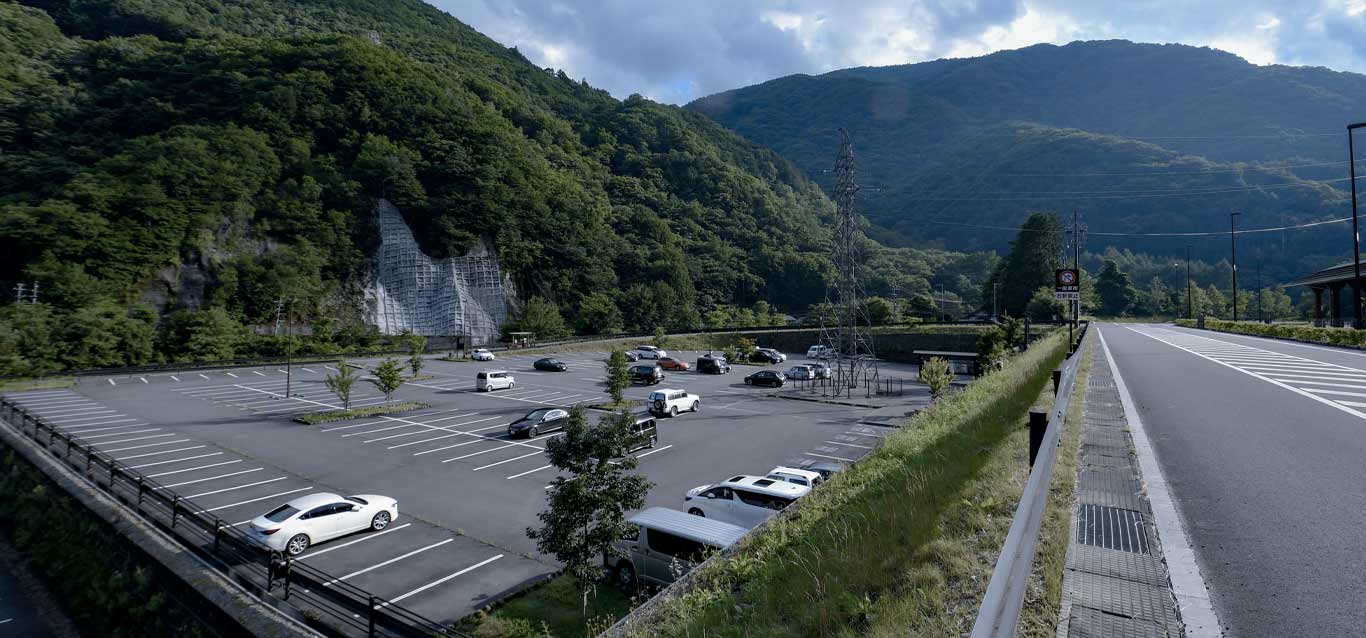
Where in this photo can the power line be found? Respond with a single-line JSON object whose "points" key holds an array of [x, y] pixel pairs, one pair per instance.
{"points": [[1220, 233], [1134, 194], [1209, 171]]}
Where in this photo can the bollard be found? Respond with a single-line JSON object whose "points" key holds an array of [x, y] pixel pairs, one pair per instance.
{"points": [[1038, 424], [1057, 380]]}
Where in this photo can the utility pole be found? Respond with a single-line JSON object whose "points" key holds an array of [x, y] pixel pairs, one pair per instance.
{"points": [[1190, 306], [994, 287], [1233, 242], [943, 314], [1356, 236], [35, 292], [1076, 265], [279, 308], [289, 347], [1260, 318]]}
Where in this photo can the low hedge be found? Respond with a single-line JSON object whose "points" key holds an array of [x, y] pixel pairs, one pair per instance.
{"points": [[1298, 332], [316, 418]]}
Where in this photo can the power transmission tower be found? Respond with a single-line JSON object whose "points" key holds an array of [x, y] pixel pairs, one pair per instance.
{"points": [[19, 292], [34, 294], [851, 337], [279, 309]]}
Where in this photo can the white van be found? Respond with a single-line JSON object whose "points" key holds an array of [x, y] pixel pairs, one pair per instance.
{"points": [[820, 352], [666, 544], [794, 475], [743, 500], [490, 380]]}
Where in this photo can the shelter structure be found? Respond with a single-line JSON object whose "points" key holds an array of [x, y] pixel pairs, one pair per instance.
{"points": [[1328, 286]]}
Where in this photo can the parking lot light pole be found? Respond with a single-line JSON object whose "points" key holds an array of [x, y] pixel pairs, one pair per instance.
{"points": [[1233, 243], [1356, 236], [1190, 306]]}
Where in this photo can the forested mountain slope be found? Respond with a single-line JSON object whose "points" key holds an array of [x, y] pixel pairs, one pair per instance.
{"points": [[1138, 137], [170, 169]]}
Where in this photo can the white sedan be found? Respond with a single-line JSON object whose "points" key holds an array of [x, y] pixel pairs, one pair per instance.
{"points": [[293, 527], [482, 355]]}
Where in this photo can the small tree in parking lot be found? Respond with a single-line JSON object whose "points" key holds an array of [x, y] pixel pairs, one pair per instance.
{"points": [[388, 377], [936, 373], [341, 383], [618, 378], [587, 503], [662, 341], [417, 344]]}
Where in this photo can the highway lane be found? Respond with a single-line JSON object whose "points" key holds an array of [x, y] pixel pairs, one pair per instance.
{"points": [[1263, 444]]}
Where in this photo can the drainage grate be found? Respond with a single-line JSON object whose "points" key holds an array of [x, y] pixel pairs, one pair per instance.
{"points": [[1112, 528]]}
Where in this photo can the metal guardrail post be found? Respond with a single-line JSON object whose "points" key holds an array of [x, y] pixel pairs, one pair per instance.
{"points": [[1038, 424], [289, 566], [217, 532], [371, 617], [1057, 380], [175, 510], [141, 488]]}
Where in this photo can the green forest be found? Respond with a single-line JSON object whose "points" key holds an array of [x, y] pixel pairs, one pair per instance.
{"points": [[171, 170]]}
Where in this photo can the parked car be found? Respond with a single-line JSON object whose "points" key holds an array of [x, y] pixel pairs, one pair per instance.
{"points": [[773, 355], [538, 421], [822, 370], [771, 378], [482, 355], [308, 520], [827, 469], [820, 352], [631, 356], [796, 476], [550, 365], [490, 380], [712, 364], [670, 363], [801, 372], [743, 500], [671, 402], [650, 352], [648, 374], [665, 545]]}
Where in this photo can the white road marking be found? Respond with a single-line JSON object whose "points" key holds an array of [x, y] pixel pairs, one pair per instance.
{"points": [[138, 447], [47, 412], [865, 447], [641, 456], [143, 379], [138, 456], [437, 438], [96, 427], [389, 562], [442, 580], [258, 373], [101, 436], [204, 377], [137, 438], [111, 382], [1188, 584], [344, 545], [515, 458], [188, 458], [193, 469], [401, 435], [175, 378], [492, 449], [827, 456], [54, 401], [212, 478], [254, 500], [529, 472], [310, 371], [231, 375], [239, 487]]}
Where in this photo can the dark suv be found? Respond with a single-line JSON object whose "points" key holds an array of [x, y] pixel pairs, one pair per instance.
{"points": [[710, 364], [644, 433], [649, 374]]}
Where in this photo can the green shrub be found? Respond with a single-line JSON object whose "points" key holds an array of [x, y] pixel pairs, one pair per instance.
{"points": [[1303, 332], [315, 418]]}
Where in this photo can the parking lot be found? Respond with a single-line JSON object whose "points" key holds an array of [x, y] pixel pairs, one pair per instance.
{"points": [[466, 492]]}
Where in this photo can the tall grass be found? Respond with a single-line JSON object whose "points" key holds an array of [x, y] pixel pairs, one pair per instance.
{"points": [[854, 551]]}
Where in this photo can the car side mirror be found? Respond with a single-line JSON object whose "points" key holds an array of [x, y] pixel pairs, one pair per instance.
{"points": [[355, 508]]}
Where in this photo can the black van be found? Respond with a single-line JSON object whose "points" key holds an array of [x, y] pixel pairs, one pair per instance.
{"points": [[711, 364], [644, 434], [648, 374]]}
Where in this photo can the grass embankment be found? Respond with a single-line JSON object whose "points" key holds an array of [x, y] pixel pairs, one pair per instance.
{"points": [[1296, 331], [29, 385], [551, 610], [316, 418], [902, 543]]}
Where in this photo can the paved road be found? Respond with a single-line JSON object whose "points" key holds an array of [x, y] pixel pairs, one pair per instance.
{"points": [[1263, 444]]}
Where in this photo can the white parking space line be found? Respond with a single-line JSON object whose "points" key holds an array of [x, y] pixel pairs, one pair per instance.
{"points": [[543, 467], [48, 403], [239, 487], [461, 424], [254, 500], [139, 456], [389, 562], [175, 378], [310, 371], [100, 427], [353, 425], [515, 458], [212, 478], [258, 373], [409, 425], [864, 447], [139, 438], [492, 449], [444, 436], [86, 418], [188, 458], [827, 456], [442, 580], [190, 469], [38, 393], [204, 377], [384, 429], [72, 411], [1343, 393], [661, 449], [345, 545], [101, 436], [145, 445]]}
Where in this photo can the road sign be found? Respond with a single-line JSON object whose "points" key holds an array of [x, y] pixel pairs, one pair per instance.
{"points": [[1067, 284]]}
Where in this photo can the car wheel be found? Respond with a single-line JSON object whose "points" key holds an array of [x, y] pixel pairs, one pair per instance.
{"points": [[509, 385], [696, 512], [297, 544], [748, 382], [626, 576], [653, 440], [531, 434], [380, 521], [696, 405], [673, 411]]}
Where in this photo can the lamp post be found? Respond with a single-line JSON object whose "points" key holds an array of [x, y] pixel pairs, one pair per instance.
{"points": [[1233, 243], [1190, 306], [1356, 236]]}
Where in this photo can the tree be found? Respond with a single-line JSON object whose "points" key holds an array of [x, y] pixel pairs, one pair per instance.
{"points": [[881, 311], [1216, 304], [588, 501], [662, 340], [388, 378], [542, 319], [1045, 306], [1117, 292], [340, 383], [208, 334], [618, 378], [1031, 263], [936, 373], [417, 344], [598, 314]]}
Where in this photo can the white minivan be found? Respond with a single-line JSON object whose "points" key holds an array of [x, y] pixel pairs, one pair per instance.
{"points": [[490, 380], [743, 500], [820, 352], [665, 545]]}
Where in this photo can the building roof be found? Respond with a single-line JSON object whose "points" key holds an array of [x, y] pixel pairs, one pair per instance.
{"points": [[1341, 273]]}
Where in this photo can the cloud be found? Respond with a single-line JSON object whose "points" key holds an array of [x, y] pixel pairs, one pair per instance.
{"points": [[675, 51]]}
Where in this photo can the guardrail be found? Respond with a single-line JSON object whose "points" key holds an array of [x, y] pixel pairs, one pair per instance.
{"points": [[1000, 611], [322, 601]]}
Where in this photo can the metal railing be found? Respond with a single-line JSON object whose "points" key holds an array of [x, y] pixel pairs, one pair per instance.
{"points": [[1000, 611], [322, 601]]}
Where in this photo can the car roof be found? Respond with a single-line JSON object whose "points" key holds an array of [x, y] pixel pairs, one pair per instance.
{"points": [[492, 371], [807, 474], [668, 390], [696, 528], [766, 485], [311, 501]]}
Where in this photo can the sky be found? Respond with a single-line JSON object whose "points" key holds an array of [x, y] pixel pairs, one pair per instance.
{"points": [[675, 51]]}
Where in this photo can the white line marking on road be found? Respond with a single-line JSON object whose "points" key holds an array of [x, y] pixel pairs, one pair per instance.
{"points": [[56, 401], [143, 379], [641, 456], [442, 580], [444, 436], [515, 458], [111, 382], [258, 373], [101, 436], [461, 424], [203, 376], [281, 371], [174, 377], [865, 447], [254, 500], [309, 371], [1187, 582], [137, 438], [231, 375], [86, 418], [1335, 392], [211, 478], [138, 447], [96, 427], [138, 456], [529, 472], [188, 458], [492, 449], [827, 456], [389, 562], [48, 412], [239, 487], [35, 393], [344, 545]]}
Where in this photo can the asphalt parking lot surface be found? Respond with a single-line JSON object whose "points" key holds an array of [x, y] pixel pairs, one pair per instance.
{"points": [[466, 492]]}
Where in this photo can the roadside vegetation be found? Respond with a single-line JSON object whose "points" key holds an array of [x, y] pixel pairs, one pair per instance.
{"points": [[880, 549], [1299, 331]]}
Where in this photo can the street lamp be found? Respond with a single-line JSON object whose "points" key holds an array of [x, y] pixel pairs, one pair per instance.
{"points": [[1233, 242], [1190, 307], [1356, 236]]}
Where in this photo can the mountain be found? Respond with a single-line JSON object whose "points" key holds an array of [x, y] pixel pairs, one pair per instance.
{"points": [[1138, 137], [170, 169]]}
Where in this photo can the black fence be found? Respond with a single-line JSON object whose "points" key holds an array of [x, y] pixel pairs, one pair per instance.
{"points": [[833, 387], [320, 600]]}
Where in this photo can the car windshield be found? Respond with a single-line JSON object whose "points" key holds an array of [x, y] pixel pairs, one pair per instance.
{"points": [[537, 415], [281, 513], [355, 499]]}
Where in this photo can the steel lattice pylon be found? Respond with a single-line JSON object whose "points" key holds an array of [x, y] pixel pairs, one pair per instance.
{"points": [[845, 329]]}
